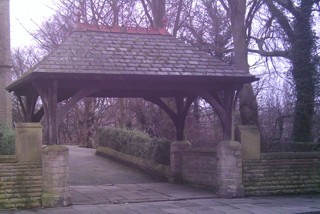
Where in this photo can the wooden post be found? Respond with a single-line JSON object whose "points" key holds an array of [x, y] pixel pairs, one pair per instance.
{"points": [[229, 99], [49, 97], [52, 114]]}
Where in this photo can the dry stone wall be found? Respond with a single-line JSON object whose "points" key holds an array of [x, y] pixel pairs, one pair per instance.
{"points": [[200, 167], [282, 173], [20, 184]]}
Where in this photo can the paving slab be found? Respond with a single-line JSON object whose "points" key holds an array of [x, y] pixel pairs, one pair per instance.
{"points": [[123, 193]]}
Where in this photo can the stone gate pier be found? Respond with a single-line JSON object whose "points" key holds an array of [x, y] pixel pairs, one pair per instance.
{"points": [[55, 176], [35, 176]]}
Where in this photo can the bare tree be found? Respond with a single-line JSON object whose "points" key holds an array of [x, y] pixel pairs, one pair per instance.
{"points": [[288, 32], [237, 10]]}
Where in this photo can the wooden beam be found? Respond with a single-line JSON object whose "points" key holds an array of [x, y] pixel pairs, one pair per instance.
{"points": [[49, 97], [52, 114], [224, 108], [72, 101], [31, 102], [23, 108], [179, 117], [28, 105]]}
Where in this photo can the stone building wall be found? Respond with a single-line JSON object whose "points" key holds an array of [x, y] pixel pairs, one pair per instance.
{"points": [[20, 184], [282, 173]]}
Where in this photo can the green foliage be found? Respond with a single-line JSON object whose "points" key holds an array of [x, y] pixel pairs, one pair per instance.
{"points": [[7, 140], [135, 143]]}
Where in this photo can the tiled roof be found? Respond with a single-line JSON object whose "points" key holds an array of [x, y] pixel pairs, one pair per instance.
{"points": [[134, 53]]}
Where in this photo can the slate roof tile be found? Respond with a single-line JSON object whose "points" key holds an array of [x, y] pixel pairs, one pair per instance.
{"points": [[134, 54]]}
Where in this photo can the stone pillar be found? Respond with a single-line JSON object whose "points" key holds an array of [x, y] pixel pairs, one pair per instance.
{"points": [[5, 65], [249, 137], [229, 169], [55, 176], [28, 145], [176, 160]]}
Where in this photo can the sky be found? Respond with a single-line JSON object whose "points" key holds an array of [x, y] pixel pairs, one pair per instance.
{"points": [[27, 14]]}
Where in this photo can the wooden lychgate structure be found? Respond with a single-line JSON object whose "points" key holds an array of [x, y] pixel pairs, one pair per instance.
{"points": [[102, 61]]}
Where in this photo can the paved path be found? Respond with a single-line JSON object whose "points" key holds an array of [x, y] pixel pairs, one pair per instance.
{"points": [[88, 169], [118, 189], [97, 180], [266, 205]]}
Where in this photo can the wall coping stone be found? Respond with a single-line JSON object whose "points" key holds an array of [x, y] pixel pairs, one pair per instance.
{"points": [[8, 159], [290, 155], [55, 148], [28, 125], [201, 150]]}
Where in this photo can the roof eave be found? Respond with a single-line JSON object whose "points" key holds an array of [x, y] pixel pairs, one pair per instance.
{"points": [[42, 75]]}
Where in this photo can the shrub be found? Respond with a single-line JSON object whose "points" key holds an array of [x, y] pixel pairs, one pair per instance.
{"points": [[135, 143], [7, 138]]}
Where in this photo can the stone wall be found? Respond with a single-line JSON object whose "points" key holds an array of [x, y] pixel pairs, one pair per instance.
{"points": [[218, 169], [282, 173], [148, 166], [200, 167], [20, 184], [21, 174]]}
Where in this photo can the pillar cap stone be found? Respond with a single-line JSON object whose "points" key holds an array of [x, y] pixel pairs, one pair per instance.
{"points": [[55, 148], [28, 125]]}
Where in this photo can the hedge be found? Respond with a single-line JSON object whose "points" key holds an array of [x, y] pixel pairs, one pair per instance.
{"points": [[7, 140], [135, 143]]}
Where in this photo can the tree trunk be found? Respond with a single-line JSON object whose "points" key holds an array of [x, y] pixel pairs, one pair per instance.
{"points": [[158, 8], [248, 102], [304, 72], [302, 51]]}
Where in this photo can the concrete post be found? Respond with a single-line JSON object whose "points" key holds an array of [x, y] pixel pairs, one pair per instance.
{"points": [[229, 169], [249, 137], [55, 176], [28, 145], [176, 160]]}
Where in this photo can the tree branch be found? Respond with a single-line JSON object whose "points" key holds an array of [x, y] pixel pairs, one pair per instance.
{"points": [[282, 19]]}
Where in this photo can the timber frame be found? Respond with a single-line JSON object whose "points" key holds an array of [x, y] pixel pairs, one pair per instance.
{"points": [[219, 86]]}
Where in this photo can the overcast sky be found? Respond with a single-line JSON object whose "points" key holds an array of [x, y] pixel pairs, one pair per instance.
{"points": [[24, 14]]}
